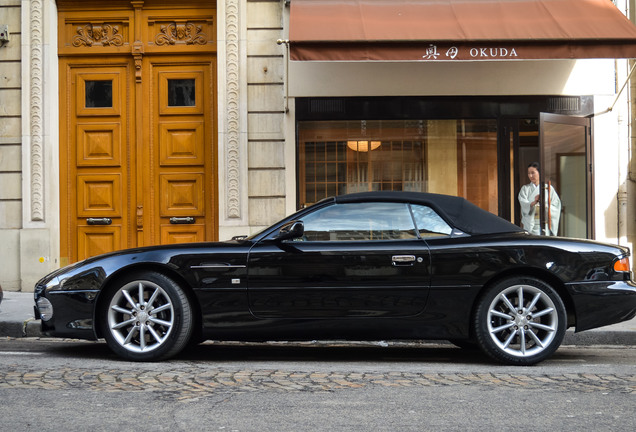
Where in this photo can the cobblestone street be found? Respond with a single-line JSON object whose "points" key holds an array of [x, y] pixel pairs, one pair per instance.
{"points": [[185, 383], [77, 385], [199, 376]]}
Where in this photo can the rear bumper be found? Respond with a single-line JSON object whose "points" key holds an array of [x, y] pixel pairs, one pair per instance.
{"points": [[602, 303]]}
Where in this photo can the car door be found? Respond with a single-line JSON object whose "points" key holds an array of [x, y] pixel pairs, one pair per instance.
{"points": [[354, 260]]}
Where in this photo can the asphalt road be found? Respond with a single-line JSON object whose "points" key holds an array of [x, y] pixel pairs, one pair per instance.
{"points": [[52, 385]]}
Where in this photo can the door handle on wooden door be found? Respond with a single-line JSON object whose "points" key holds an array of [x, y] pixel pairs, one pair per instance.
{"points": [[182, 220], [99, 221]]}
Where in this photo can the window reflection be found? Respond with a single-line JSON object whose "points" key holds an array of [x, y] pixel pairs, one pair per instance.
{"points": [[360, 222], [429, 223], [181, 92], [98, 94], [565, 171], [451, 156]]}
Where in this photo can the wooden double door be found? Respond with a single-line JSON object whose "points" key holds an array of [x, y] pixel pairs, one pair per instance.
{"points": [[137, 152]]}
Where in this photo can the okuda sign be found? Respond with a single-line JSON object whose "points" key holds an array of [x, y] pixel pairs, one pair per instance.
{"points": [[436, 52]]}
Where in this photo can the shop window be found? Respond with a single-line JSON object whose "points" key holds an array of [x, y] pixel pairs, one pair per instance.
{"points": [[339, 167], [453, 157]]}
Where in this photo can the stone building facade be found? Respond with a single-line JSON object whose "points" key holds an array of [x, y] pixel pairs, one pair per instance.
{"points": [[262, 103]]}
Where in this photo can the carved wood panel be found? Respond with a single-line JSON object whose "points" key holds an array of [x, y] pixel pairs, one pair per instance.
{"points": [[99, 144], [94, 240], [171, 234], [182, 143], [85, 28], [99, 195]]}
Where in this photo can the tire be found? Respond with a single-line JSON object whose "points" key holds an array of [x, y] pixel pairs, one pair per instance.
{"points": [[520, 321], [146, 317]]}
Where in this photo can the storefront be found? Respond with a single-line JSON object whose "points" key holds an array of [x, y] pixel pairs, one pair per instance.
{"points": [[458, 98], [466, 146]]}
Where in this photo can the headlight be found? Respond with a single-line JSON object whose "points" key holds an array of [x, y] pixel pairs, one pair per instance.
{"points": [[53, 283], [45, 308]]}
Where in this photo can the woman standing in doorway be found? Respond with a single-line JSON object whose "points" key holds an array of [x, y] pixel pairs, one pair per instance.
{"points": [[530, 208]]}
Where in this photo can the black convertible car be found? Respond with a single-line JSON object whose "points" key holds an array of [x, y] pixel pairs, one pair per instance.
{"points": [[367, 266]]}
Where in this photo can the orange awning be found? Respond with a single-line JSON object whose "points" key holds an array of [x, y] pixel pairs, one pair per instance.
{"points": [[434, 30]]}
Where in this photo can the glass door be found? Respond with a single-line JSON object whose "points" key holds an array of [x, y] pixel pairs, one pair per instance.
{"points": [[566, 176]]}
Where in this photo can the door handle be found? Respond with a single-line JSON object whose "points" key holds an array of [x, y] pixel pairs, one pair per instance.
{"points": [[182, 220], [99, 221], [403, 259]]}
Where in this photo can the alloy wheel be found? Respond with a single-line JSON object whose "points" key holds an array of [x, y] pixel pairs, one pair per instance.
{"points": [[522, 320], [141, 316]]}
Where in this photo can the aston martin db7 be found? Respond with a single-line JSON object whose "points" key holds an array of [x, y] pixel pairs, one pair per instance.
{"points": [[365, 266]]}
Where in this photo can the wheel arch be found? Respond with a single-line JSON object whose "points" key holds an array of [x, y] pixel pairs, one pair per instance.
{"points": [[147, 267], [542, 275]]}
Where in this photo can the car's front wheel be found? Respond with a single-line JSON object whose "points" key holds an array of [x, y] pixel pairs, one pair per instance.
{"points": [[146, 317], [520, 321]]}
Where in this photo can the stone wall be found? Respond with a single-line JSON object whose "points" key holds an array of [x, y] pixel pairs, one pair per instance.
{"points": [[631, 179], [29, 175], [10, 146], [265, 112]]}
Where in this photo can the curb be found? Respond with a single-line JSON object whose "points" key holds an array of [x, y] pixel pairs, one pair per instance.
{"points": [[14, 329], [600, 337]]}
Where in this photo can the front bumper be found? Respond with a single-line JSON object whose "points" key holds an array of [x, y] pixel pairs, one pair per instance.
{"points": [[73, 314]]}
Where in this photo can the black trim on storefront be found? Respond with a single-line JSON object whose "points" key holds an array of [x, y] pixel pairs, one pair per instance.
{"points": [[425, 107]]}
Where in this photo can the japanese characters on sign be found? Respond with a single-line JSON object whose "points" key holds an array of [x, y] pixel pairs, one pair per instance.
{"points": [[476, 53]]}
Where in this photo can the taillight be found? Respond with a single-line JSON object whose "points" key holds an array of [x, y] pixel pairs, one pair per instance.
{"points": [[622, 265]]}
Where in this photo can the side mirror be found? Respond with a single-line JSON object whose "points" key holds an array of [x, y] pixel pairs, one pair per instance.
{"points": [[290, 230]]}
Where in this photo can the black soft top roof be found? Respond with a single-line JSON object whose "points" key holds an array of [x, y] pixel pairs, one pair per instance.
{"points": [[458, 212]]}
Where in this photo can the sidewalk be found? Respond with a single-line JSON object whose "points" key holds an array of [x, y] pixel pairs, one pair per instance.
{"points": [[17, 317], [17, 320]]}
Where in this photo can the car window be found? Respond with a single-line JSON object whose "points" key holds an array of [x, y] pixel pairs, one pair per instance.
{"points": [[429, 223], [359, 222]]}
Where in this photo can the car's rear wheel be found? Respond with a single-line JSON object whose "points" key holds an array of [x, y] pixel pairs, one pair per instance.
{"points": [[146, 317], [520, 321]]}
